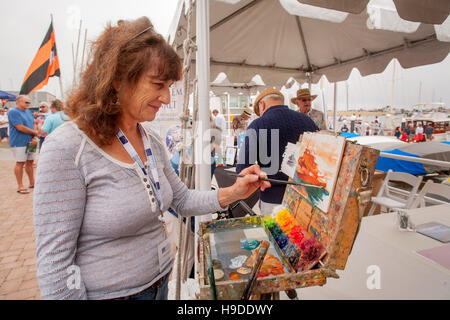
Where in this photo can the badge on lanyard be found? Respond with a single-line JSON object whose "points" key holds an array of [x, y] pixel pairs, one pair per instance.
{"points": [[165, 254], [153, 187]]}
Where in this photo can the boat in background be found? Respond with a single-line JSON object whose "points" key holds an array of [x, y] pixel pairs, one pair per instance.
{"points": [[440, 121]]}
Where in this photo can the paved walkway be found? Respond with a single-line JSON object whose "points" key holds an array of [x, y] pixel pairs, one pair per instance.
{"points": [[17, 243]]}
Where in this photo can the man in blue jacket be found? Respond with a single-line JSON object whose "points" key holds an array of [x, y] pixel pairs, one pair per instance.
{"points": [[23, 141], [266, 140]]}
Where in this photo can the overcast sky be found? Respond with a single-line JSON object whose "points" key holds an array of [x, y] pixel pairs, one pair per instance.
{"points": [[24, 24]]}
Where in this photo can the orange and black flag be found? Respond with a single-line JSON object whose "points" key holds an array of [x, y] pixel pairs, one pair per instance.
{"points": [[45, 65]]}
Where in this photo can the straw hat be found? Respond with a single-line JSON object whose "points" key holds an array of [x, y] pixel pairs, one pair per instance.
{"points": [[303, 93], [263, 94], [247, 112]]}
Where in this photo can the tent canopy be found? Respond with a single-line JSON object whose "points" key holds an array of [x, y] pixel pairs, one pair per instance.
{"points": [[425, 11], [221, 85], [279, 39], [7, 96]]}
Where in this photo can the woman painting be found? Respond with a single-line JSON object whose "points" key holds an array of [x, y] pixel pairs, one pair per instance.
{"points": [[103, 181]]}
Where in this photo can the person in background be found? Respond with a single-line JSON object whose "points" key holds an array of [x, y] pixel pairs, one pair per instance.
{"points": [[429, 131], [404, 136], [419, 137], [239, 124], [57, 118], [216, 139], [219, 125], [219, 120], [411, 132], [303, 101], [407, 130], [44, 110], [23, 141], [3, 125], [104, 181], [397, 132], [275, 118], [44, 113], [344, 128]]}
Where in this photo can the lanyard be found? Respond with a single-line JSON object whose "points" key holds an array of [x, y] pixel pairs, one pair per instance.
{"points": [[150, 160]]}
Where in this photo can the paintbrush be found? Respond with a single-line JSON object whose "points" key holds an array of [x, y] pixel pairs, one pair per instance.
{"points": [[279, 181], [263, 247], [212, 282]]}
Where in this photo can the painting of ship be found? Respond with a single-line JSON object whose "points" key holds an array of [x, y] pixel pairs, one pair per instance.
{"points": [[318, 164]]}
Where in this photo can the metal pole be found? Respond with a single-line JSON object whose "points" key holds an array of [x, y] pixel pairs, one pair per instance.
{"points": [[392, 97], [84, 49], [334, 107], [76, 56], [203, 74], [60, 81]]}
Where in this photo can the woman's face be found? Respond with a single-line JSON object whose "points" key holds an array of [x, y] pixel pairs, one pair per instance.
{"points": [[142, 101]]}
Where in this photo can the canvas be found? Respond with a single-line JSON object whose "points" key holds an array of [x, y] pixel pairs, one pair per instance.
{"points": [[318, 164]]}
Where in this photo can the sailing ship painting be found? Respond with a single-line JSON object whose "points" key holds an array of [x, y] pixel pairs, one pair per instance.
{"points": [[318, 164]]}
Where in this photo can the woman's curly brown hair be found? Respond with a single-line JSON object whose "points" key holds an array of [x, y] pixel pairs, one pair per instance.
{"points": [[121, 53]]}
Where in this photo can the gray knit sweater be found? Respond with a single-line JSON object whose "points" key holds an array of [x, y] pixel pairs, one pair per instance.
{"points": [[92, 217]]}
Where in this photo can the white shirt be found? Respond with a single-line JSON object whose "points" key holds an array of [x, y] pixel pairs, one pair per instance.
{"points": [[219, 121], [419, 130], [4, 118]]}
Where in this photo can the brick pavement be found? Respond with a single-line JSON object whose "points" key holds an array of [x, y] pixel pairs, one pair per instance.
{"points": [[17, 243]]}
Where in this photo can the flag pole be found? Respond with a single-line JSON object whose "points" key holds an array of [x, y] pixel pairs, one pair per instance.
{"points": [[76, 54], [84, 49], [60, 81]]}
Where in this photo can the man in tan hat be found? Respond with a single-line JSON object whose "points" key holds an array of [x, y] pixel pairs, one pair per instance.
{"points": [[239, 124], [303, 101], [266, 140]]}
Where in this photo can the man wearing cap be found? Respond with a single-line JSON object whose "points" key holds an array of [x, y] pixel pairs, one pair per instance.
{"points": [[266, 139], [239, 123], [303, 101]]}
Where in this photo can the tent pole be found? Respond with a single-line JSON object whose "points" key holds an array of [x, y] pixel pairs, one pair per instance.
{"points": [[334, 108], [203, 95]]}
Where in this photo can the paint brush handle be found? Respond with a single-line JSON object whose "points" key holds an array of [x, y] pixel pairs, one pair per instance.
{"points": [[279, 181], [212, 282], [263, 247]]}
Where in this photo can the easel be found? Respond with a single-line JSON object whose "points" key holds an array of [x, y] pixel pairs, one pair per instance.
{"points": [[337, 234]]}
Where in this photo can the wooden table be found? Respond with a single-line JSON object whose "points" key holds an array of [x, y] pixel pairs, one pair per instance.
{"points": [[403, 273]]}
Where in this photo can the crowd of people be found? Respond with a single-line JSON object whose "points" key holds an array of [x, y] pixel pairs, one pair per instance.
{"points": [[417, 134], [26, 131]]}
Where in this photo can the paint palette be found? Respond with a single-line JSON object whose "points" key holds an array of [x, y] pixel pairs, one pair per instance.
{"points": [[226, 246]]}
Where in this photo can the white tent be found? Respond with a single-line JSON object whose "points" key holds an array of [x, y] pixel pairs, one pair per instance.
{"points": [[279, 39], [222, 85], [283, 39]]}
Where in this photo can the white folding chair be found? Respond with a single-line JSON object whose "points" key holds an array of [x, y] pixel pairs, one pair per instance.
{"points": [[396, 198], [432, 194]]}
